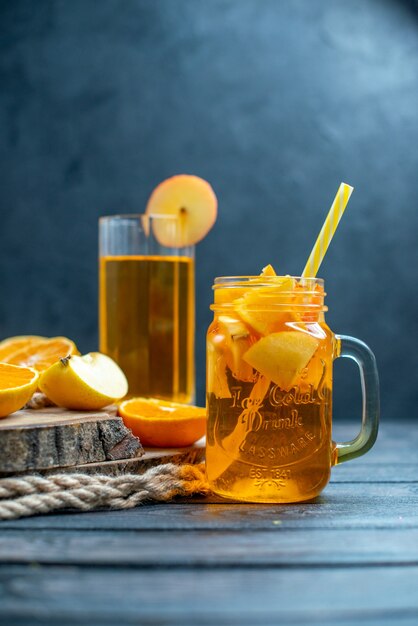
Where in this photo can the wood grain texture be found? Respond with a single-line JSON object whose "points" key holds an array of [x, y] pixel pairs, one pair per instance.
{"points": [[55, 437], [149, 457], [342, 506], [207, 549], [246, 596], [349, 557]]}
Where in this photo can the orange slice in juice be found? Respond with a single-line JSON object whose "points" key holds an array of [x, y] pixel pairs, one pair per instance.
{"points": [[162, 424], [189, 198], [309, 314], [268, 271], [227, 295], [260, 306], [281, 357]]}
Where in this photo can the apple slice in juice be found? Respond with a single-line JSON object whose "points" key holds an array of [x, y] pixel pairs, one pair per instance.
{"points": [[238, 342], [216, 379], [282, 356]]}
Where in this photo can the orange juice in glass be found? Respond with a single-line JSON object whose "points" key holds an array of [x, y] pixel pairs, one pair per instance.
{"points": [[146, 305], [270, 355]]}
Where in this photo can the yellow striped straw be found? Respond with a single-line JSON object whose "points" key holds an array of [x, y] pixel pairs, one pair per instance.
{"points": [[327, 231]]}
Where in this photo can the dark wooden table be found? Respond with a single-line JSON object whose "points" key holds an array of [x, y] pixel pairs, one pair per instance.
{"points": [[350, 557]]}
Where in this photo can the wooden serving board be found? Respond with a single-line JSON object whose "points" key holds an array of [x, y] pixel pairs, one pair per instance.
{"points": [[138, 465], [46, 439], [55, 437]]}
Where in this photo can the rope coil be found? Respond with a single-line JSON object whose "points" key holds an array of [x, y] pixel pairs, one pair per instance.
{"points": [[34, 494]]}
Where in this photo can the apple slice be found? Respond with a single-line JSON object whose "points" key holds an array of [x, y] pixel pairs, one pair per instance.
{"points": [[240, 369], [189, 198], [238, 342], [259, 306], [281, 357], [216, 379]]}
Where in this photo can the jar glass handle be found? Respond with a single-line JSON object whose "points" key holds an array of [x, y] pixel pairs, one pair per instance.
{"points": [[351, 348]]}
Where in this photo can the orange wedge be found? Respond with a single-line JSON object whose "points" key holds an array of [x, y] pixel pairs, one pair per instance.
{"points": [[268, 271], [227, 295], [162, 424], [17, 384], [42, 354], [12, 344], [262, 307]]}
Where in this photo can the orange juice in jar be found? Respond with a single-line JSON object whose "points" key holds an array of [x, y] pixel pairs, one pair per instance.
{"points": [[269, 390]]}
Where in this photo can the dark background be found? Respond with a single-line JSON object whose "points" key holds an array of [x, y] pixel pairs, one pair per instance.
{"points": [[275, 102]]}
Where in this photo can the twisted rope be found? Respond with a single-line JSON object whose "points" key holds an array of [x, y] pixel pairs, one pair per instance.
{"points": [[34, 494]]}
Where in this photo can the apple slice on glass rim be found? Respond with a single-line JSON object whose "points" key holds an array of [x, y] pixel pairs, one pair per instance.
{"points": [[188, 198]]}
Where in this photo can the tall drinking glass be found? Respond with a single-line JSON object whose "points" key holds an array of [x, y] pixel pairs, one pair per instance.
{"points": [[147, 304]]}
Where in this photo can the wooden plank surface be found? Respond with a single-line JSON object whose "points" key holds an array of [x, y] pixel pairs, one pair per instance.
{"points": [[206, 549], [149, 457], [349, 557], [63, 595], [343, 506]]}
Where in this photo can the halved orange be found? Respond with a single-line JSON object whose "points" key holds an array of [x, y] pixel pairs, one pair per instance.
{"points": [[42, 354], [17, 384], [12, 344], [162, 424]]}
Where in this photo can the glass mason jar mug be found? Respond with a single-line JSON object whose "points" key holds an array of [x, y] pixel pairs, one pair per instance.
{"points": [[269, 390]]}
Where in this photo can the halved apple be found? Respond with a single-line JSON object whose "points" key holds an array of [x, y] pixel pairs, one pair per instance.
{"points": [[85, 383], [189, 198], [281, 357]]}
